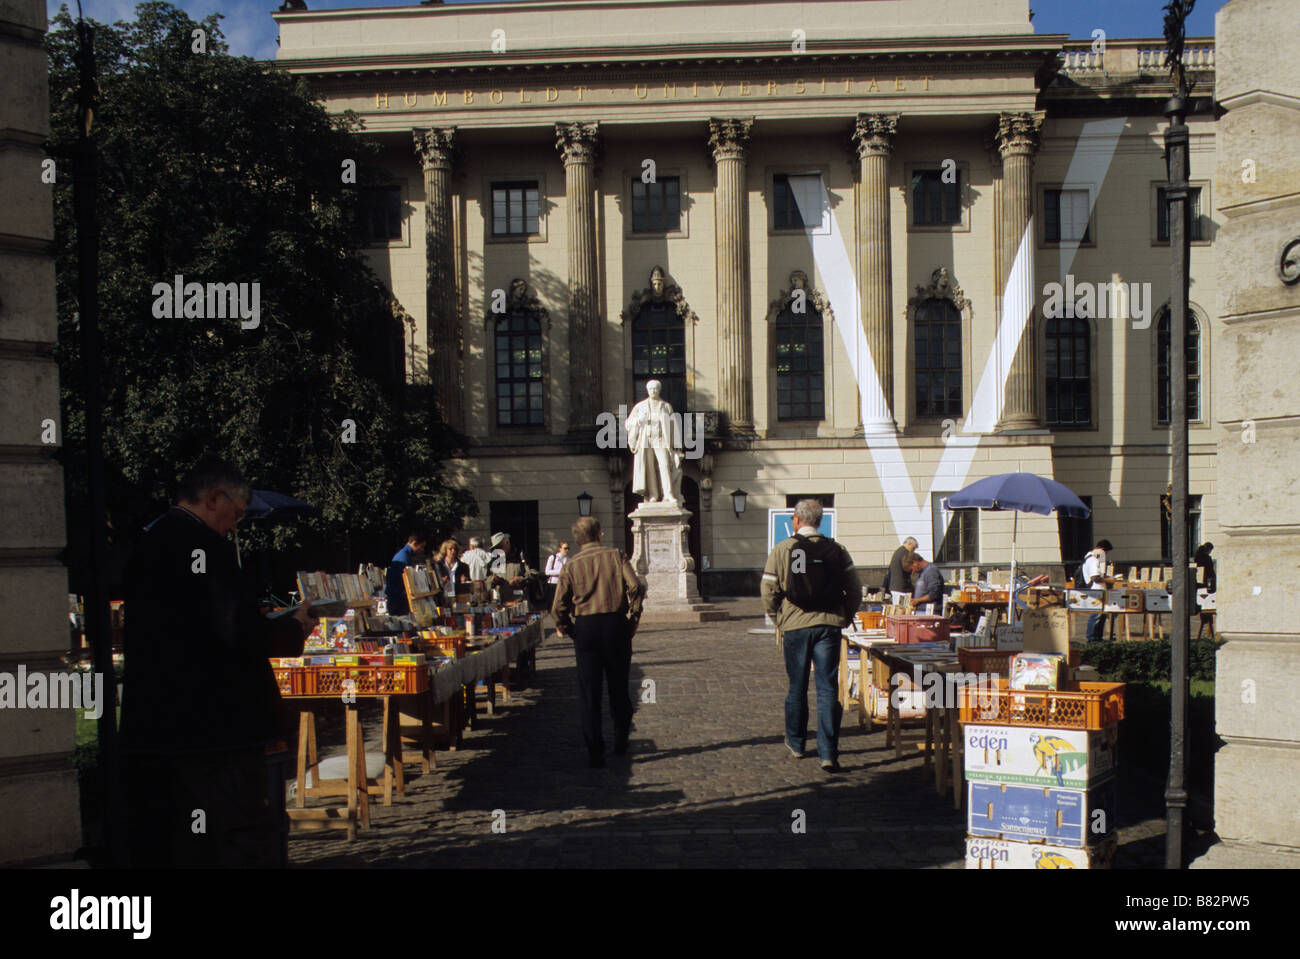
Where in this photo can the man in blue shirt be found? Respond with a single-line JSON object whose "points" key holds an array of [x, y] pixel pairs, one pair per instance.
{"points": [[929, 583], [394, 588]]}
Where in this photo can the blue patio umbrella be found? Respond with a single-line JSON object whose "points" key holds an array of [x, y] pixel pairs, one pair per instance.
{"points": [[271, 507], [1023, 493]]}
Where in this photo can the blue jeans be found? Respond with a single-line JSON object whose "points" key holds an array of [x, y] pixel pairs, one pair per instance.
{"points": [[817, 646], [1096, 628]]}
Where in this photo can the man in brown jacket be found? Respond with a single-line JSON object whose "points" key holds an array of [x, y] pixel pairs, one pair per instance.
{"points": [[598, 604], [811, 588]]}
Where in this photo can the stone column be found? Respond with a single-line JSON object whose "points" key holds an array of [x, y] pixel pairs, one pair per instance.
{"points": [[577, 144], [1017, 142], [442, 309], [728, 139], [874, 137]]}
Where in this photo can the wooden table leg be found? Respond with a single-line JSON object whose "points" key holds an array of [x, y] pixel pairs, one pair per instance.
{"points": [[931, 716], [351, 727], [306, 722]]}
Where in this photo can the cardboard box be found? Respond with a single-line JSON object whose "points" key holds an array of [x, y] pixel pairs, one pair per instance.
{"points": [[1158, 601], [1062, 817], [1008, 638], [1125, 600], [1047, 756], [1046, 630], [1085, 598], [1205, 599], [984, 853], [911, 702]]}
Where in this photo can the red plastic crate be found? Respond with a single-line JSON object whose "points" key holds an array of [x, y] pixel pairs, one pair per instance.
{"points": [[917, 629]]}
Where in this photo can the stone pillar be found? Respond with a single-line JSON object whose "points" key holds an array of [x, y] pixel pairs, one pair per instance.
{"points": [[442, 308], [577, 144], [1257, 407], [38, 782], [874, 137], [728, 139], [1017, 142]]}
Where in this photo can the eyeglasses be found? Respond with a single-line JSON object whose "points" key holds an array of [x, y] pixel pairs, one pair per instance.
{"points": [[242, 509]]}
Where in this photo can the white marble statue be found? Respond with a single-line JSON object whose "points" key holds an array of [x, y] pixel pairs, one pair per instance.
{"points": [[655, 440]]}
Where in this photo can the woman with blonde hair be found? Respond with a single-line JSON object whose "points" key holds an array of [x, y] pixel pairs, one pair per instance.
{"points": [[451, 571]]}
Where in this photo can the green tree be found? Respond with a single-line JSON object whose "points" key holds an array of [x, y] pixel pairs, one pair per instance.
{"points": [[221, 169]]}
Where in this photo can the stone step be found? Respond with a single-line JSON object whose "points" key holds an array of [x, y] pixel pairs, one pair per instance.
{"points": [[687, 613]]}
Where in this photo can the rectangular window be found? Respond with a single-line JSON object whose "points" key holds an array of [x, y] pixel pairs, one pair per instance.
{"points": [[381, 214], [515, 209], [1065, 216], [826, 499], [956, 531], [656, 207], [798, 201], [1196, 233], [1076, 536], [1193, 529], [934, 202]]}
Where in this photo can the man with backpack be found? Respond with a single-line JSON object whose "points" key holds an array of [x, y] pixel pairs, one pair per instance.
{"points": [[811, 589], [1091, 575]]}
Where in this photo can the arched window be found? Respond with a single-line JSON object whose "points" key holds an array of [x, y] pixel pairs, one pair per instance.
{"points": [[1164, 394], [938, 358], [659, 351], [519, 369], [1068, 372], [800, 365]]}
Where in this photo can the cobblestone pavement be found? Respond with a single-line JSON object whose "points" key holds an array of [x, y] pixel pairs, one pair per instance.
{"points": [[708, 781]]}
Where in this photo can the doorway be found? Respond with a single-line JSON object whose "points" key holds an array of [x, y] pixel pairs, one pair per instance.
{"points": [[518, 519]]}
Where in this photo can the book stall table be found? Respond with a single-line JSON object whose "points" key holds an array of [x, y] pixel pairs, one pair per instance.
{"points": [[942, 726]]}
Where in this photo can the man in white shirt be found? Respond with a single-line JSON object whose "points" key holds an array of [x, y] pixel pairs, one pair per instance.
{"points": [[1094, 573], [477, 558]]}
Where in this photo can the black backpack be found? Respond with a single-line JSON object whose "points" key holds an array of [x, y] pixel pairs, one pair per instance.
{"points": [[1079, 581], [816, 576]]}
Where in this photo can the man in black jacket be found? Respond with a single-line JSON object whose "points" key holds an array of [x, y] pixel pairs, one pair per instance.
{"points": [[199, 700]]}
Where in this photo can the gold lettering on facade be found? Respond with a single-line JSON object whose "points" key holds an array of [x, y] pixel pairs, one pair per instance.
{"points": [[927, 83], [673, 94], [495, 96], [875, 87], [823, 84], [522, 99], [695, 88], [581, 90], [744, 88], [469, 97], [798, 87], [898, 83], [640, 91], [381, 106], [717, 88], [771, 88], [410, 99], [440, 99], [552, 94]]}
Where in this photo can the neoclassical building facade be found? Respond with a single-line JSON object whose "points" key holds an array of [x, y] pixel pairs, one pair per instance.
{"points": [[884, 249]]}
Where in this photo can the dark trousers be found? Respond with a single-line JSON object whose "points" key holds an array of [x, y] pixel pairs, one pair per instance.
{"points": [[203, 810], [819, 647], [603, 644]]}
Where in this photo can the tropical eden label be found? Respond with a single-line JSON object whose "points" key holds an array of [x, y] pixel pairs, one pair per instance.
{"points": [[1043, 756]]}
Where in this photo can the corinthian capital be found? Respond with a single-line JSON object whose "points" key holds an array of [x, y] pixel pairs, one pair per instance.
{"points": [[435, 146], [729, 138], [1018, 133], [577, 141], [874, 133]]}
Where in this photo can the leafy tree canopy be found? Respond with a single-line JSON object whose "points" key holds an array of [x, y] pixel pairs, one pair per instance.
{"points": [[220, 169]]}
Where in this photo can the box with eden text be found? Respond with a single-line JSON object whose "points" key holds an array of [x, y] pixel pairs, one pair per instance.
{"points": [[982, 853], [1043, 756]]}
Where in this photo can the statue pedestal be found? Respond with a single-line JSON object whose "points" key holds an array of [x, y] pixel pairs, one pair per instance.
{"points": [[662, 559]]}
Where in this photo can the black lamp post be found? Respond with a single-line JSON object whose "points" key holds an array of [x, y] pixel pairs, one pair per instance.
{"points": [[584, 503], [1176, 154], [738, 501]]}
